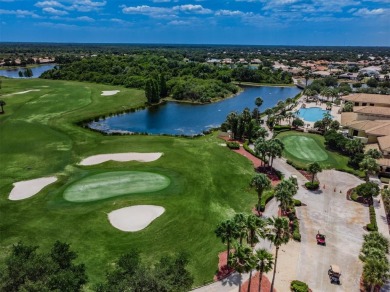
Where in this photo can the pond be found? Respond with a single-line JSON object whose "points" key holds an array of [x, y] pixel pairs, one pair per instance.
{"points": [[37, 71], [187, 119]]}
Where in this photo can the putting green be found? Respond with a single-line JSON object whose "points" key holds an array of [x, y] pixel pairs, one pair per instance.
{"points": [[112, 184], [304, 148]]}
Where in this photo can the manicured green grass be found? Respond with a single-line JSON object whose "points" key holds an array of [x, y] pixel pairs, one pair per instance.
{"points": [[304, 148], [39, 137], [116, 183]]}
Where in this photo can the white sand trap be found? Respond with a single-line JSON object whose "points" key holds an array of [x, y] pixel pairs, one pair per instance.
{"points": [[110, 92], [134, 218], [121, 157], [28, 188], [23, 92]]}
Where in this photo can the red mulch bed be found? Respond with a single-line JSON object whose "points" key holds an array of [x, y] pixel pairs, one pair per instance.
{"points": [[306, 174], [223, 270], [257, 213], [265, 284]]}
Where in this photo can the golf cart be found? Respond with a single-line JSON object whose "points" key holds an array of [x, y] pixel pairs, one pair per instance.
{"points": [[320, 238], [334, 274]]}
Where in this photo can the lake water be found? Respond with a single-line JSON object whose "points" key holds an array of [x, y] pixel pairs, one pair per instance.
{"points": [[37, 71], [186, 119]]}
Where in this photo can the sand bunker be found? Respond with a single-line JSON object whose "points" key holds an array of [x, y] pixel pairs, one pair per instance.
{"points": [[23, 92], [134, 218], [28, 188], [109, 92], [121, 157]]}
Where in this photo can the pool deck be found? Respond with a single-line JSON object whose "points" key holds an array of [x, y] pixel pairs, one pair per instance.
{"points": [[334, 111]]}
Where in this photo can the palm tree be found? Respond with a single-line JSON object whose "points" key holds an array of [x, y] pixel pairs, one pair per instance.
{"points": [[261, 182], [278, 235], [275, 149], [376, 272], [242, 261], [262, 132], [255, 227], [374, 153], [2, 104], [354, 146], [261, 148], [369, 166], [240, 221], [314, 168], [376, 240], [264, 263], [227, 231], [284, 193]]}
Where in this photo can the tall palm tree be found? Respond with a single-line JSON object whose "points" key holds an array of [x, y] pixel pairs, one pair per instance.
{"points": [[240, 221], [369, 166], [242, 261], [278, 235], [227, 231], [284, 193], [262, 132], [376, 272], [265, 262], [261, 149], [255, 227], [314, 168], [261, 182], [258, 102], [275, 149]]}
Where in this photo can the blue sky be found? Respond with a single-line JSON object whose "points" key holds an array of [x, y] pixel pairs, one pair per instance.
{"points": [[262, 22]]}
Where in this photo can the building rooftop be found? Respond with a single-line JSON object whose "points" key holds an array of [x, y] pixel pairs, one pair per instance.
{"points": [[384, 143], [373, 110], [365, 97]]}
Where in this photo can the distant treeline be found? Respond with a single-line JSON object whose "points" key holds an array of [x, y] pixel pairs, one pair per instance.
{"points": [[184, 79]]}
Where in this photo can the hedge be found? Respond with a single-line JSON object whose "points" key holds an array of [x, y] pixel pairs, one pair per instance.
{"points": [[267, 196], [296, 234], [297, 203], [312, 186], [298, 286], [233, 145], [372, 226]]}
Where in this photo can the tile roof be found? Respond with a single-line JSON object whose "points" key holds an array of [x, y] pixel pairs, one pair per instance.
{"points": [[365, 97], [384, 143]]}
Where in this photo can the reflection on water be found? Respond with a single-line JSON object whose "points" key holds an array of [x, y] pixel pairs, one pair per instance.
{"points": [[186, 119]]}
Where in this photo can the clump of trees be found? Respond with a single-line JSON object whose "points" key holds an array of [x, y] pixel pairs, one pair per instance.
{"points": [[261, 75], [131, 274], [27, 270], [376, 268]]}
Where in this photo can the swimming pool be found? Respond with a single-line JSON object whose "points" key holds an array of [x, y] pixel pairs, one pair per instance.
{"points": [[311, 114]]}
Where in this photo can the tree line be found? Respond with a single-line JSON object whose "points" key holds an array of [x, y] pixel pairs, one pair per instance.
{"points": [[26, 269]]}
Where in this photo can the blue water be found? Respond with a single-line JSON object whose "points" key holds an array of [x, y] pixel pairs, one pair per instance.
{"points": [[37, 71], [311, 114], [185, 119]]}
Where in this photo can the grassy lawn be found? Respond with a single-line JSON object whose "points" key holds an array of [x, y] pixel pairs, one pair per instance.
{"points": [[39, 138], [304, 148]]}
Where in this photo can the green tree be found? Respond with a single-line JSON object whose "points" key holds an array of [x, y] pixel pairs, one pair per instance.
{"points": [[27, 270], [278, 235], [314, 168], [376, 272], [348, 107], [297, 122], [227, 232], [284, 193], [374, 153], [243, 261], [369, 166], [260, 182], [265, 262], [368, 190], [255, 227], [354, 146], [240, 221], [163, 86], [261, 148], [258, 103], [275, 149]]}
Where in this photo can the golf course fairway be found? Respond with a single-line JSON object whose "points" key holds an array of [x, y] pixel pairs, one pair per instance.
{"points": [[116, 183]]}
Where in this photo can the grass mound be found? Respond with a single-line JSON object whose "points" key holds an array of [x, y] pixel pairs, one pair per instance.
{"points": [[111, 184], [304, 148]]}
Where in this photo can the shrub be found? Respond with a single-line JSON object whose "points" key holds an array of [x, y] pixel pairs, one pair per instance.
{"points": [[267, 196], [298, 286], [297, 203], [233, 145], [296, 234], [279, 174], [372, 226], [312, 186], [354, 196]]}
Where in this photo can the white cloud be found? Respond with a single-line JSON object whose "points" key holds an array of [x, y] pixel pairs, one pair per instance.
{"points": [[190, 8], [85, 18], [18, 12], [72, 5], [44, 4], [54, 11], [367, 12], [179, 22], [224, 12]]}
